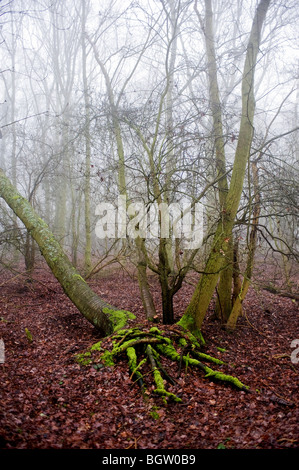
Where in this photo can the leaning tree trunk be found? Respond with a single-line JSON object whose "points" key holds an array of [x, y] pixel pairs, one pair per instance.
{"points": [[102, 315]]}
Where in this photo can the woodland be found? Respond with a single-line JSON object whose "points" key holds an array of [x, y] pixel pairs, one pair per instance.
{"points": [[149, 281]]}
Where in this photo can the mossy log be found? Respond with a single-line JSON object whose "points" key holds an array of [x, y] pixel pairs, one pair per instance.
{"points": [[145, 350]]}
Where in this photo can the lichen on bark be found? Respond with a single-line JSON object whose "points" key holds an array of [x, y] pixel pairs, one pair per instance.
{"points": [[119, 318]]}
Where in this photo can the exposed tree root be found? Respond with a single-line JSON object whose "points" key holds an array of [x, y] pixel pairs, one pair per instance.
{"points": [[146, 349]]}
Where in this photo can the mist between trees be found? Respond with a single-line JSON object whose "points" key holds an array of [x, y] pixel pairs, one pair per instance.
{"points": [[157, 102]]}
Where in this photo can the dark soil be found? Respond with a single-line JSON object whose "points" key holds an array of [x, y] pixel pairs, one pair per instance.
{"points": [[49, 401]]}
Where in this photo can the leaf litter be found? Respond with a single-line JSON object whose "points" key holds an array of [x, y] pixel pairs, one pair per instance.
{"points": [[49, 401]]}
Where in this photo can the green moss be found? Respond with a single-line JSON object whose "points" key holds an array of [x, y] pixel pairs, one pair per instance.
{"points": [[78, 277], [226, 378], [160, 390], [164, 394], [171, 352], [188, 323], [183, 342], [96, 346], [154, 412], [107, 359], [155, 330], [107, 356], [132, 358], [154, 415], [206, 357], [127, 340], [131, 353], [84, 359], [119, 318], [132, 333], [159, 335], [121, 333], [28, 335]]}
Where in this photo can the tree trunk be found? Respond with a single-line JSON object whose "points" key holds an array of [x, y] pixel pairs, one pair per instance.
{"points": [[237, 307], [29, 253], [144, 287], [223, 305], [224, 294], [87, 138], [236, 273], [200, 301], [95, 310], [167, 301]]}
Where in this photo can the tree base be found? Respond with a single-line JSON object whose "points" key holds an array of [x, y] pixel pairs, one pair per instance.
{"points": [[145, 349]]}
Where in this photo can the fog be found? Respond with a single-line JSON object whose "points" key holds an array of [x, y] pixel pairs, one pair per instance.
{"points": [[110, 98]]}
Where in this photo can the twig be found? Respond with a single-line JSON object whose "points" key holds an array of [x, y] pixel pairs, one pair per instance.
{"points": [[134, 443], [253, 326]]}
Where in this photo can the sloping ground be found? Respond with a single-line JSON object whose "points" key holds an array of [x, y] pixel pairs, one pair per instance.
{"points": [[48, 401]]}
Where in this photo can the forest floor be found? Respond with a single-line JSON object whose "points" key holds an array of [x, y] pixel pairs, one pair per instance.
{"points": [[49, 401]]}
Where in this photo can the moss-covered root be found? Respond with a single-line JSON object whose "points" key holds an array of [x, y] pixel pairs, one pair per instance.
{"points": [[169, 351], [226, 378], [160, 390], [107, 357], [199, 355], [134, 368]]}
